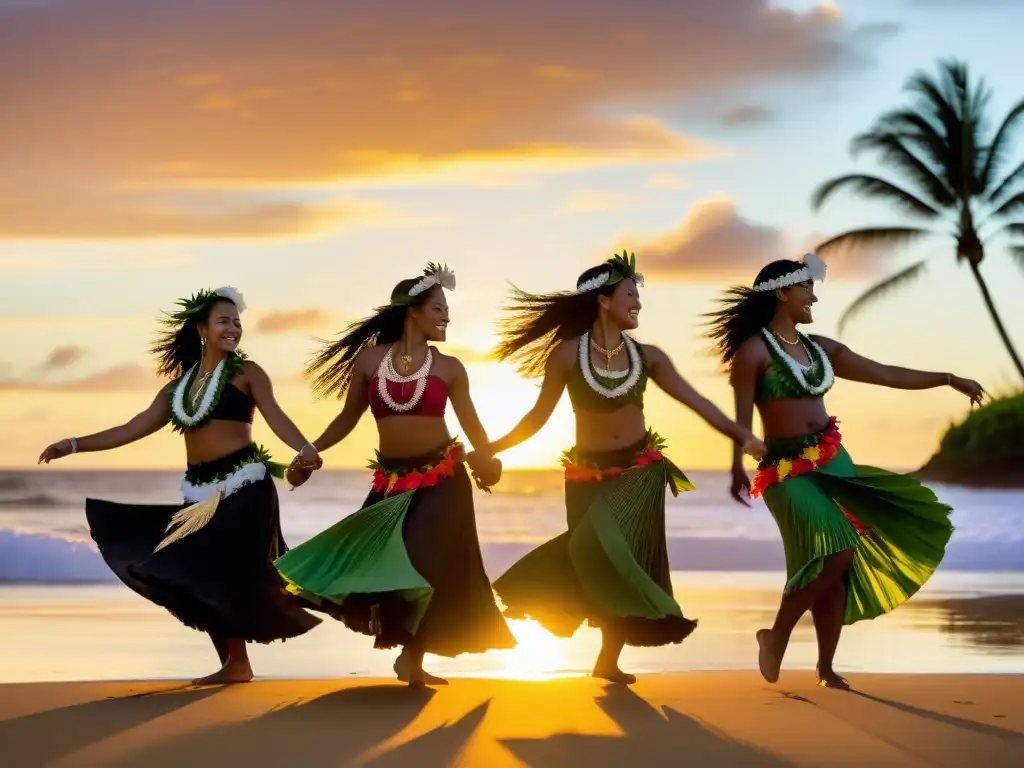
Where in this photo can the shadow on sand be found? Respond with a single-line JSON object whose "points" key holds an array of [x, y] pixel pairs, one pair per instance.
{"points": [[327, 731], [46, 736], [651, 737]]}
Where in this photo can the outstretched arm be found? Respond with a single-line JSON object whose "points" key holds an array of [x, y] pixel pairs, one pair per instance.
{"points": [[143, 424], [356, 403], [847, 364], [277, 420], [465, 410], [556, 372], [675, 386]]}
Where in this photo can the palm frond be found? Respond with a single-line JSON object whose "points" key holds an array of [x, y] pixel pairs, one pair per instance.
{"points": [[870, 238], [1017, 253], [919, 130], [1013, 178], [873, 187], [1013, 229], [1009, 207], [895, 153], [879, 291], [997, 150]]}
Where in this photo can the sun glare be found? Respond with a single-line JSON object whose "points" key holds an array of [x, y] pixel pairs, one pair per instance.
{"points": [[502, 398], [538, 656]]}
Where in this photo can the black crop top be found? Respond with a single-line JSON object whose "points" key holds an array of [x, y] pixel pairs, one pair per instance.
{"points": [[234, 405]]}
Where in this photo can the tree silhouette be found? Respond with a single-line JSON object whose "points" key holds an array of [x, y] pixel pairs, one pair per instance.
{"points": [[952, 181]]}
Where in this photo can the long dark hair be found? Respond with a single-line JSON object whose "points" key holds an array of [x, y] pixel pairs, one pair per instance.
{"points": [[178, 347], [537, 323], [330, 369], [743, 312]]}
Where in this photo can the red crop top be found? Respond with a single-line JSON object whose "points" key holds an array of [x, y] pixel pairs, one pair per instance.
{"points": [[433, 402]]}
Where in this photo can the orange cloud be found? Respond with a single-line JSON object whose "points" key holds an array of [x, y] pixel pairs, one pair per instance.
{"points": [[132, 216], [297, 320], [63, 357], [714, 243], [135, 97], [128, 376]]}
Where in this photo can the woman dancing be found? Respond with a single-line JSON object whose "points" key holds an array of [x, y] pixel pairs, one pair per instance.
{"points": [[406, 567], [207, 562], [859, 541], [611, 567]]}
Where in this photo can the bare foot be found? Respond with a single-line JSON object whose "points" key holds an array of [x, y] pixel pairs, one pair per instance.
{"points": [[613, 674], [402, 670], [831, 680], [769, 660], [226, 675]]}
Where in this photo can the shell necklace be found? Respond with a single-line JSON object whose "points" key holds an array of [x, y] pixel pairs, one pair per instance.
{"points": [[632, 375], [386, 372]]}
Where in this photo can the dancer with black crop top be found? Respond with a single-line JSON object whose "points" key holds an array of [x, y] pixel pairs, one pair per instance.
{"points": [[406, 568], [611, 567], [208, 562], [859, 541]]}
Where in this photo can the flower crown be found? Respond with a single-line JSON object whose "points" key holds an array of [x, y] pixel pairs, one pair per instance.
{"points": [[199, 301], [620, 267], [434, 274], [813, 269]]}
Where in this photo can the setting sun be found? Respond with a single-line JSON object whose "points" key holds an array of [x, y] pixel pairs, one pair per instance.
{"points": [[502, 398]]}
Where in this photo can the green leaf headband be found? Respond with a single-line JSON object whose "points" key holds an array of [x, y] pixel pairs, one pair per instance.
{"points": [[621, 266], [434, 274], [196, 303]]}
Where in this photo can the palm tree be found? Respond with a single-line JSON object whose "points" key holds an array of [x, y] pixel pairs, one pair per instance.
{"points": [[951, 170]]}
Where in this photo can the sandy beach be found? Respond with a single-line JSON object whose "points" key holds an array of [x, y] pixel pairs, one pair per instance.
{"points": [[705, 718]]}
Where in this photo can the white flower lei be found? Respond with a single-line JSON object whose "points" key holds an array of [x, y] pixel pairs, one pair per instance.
{"points": [[635, 368], [813, 269], [386, 372], [827, 374], [209, 394]]}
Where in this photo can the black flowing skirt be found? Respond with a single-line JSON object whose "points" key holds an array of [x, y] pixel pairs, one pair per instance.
{"points": [[406, 568], [219, 579]]}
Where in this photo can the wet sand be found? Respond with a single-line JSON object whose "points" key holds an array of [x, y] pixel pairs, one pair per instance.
{"points": [[700, 718]]}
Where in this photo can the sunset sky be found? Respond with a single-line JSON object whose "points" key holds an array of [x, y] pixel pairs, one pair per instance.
{"points": [[313, 153]]}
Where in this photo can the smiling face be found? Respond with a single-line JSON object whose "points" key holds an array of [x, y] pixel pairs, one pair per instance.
{"points": [[223, 328], [431, 317], [796, 302], [623, 305]]}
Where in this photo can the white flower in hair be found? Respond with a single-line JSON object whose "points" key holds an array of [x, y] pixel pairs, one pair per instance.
{"points": [[233, 295], [815, 266], [594, 283], [813, 269], [436, 274]]}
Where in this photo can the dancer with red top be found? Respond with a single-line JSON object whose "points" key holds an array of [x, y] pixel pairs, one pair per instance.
{"points": [[611, 567], [407, 566], [859, 541]]}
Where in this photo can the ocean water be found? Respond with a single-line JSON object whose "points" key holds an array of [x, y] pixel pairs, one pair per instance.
{"points": [[63, 616]]}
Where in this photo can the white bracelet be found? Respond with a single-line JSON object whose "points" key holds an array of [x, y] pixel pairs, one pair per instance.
{"points": [[74, 444]]}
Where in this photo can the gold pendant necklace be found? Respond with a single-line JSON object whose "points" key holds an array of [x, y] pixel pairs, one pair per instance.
{"points": [[785, 340], [608, 353], [198, 389]]}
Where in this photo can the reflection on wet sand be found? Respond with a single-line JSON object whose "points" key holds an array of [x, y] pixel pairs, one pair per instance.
{"points": [[993, 624]]}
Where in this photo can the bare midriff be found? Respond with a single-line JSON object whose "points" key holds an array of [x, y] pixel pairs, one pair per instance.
{"points": [[216, 439], [609, 431], [793, 417], [407, 436]]}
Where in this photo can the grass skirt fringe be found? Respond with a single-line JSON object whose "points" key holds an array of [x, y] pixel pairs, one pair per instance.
{"points": [[218, 579], [405, 568], [611, 567], [897, 528]]}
